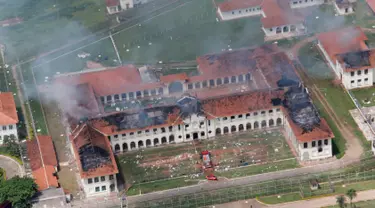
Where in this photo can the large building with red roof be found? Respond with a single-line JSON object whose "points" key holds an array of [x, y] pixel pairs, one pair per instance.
{"points": [[8, 117], [348, 55], [125, 108]]}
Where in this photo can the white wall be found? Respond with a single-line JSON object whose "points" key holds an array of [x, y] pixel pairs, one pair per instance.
{"points": [[113, 10], [299, 30], [8, 130], [196, 126], [343, 11], [304, 3], [90, 188], [125, 4], [240, 13]]}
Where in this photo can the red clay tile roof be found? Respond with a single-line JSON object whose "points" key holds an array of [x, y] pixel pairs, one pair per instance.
{"points": [[8, 112], [111, 3], [341, 41], [43, 152], [371, 4], [323, 131], [279, 13], [173, 77], [349, 69], [109, 81], [240, 104], [238, 4], [85, 134]]}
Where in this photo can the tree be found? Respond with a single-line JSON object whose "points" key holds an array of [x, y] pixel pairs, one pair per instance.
{"points": [[13, 147], [351, 194], [18, 191], [341, 201]]}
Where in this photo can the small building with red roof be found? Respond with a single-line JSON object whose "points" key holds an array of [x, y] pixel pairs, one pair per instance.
{"points": [[96, 162], [348, 55], [8, 117], [43, 162]]}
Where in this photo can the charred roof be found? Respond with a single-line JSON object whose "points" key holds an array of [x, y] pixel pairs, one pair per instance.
{"points": [[356, 59], [301, 110], [93, 157]]}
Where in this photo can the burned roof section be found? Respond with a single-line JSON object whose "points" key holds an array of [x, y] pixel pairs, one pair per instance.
{"points": [[301, 110], [356, 59], [94, 152]]}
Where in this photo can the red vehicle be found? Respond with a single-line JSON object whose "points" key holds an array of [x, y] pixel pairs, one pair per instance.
{"points": [[206, 157], [211, 177]]}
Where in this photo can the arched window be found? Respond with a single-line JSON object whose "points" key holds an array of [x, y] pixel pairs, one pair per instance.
{"points": [[240, 127], [117, 147], [163, 140], [271, 122], [132, 145], [226, 130], [171, 138], [278, 121], [256, 125], [218, 131], [278, 30], [140, 144], [264, 123], [218, 81], [233, 128], [156, 141], [286, 29], [125, 147], [148, 143], [248, 126]]}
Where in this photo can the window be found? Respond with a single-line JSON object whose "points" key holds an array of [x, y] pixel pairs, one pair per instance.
{"points": [[102, 99], [326, 142], [359, 72], [232, 12], [111, 177], [209, 122], [89, 181], [131, 133], [104, 188], [4, 128], [202, 133], [187, 125], [352, 81], [10, 127], [123, 135], [96, 179], [109, 98], [123, 96], [153, 92], [233, 79], [263, 113], [190, 86], [139, 132], [366, 71], [197, 85], [232, 117], [359, 82], [147, 131], [255, 113], [218, 81], [270, 111], [366, 80], [247, 115], [115, 136], [320, 143], [212, 82], [247, 77], [240, 78], [145, 93], [204, 83], [320, 149], [102, 178], [239, 11], [225, 118], [138, 94], [240, 116], [170, 128], [131, 95], [163, 130], [161, 91], [305, 145], [278, 110], [187, 136], [117, 97], [201, 123], [97, 189], [226, 80], [313, 144]]}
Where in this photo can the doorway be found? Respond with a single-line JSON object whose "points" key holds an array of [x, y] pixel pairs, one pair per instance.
{"points": [[195, 136]]}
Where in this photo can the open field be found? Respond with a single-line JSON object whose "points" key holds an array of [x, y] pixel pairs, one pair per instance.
{"points": [[335, 95], [254, 152], [365, 97], [361, 204], [282, 198]]}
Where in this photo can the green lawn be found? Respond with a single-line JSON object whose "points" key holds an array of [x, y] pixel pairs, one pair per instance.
{"points": [[361, 204], [159, 186], [366, 96], [335, 95], [3, 175], [282, 198], [186, 32], [250, 149], [259, 169]]}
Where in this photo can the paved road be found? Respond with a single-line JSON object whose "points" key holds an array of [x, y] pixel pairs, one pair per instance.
{"points": [[11, 167]]}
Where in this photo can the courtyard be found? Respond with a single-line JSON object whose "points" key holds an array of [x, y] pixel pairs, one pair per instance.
{"points": [[252, 151]]}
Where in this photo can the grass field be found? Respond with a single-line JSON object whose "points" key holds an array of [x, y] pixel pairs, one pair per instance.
{"points": [[282, 198], [361, 204], [336, 96], [254, 152], [365, 97]]}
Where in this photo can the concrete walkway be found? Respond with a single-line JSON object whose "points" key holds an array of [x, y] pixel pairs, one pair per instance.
{"points": [[11, 167]]}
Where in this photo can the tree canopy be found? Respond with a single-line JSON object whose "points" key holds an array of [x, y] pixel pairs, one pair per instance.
{"points": [[18, 191]]}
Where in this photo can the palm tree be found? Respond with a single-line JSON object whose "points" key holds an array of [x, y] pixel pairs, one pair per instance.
{"points": [[340, 200], [351, 194]]}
